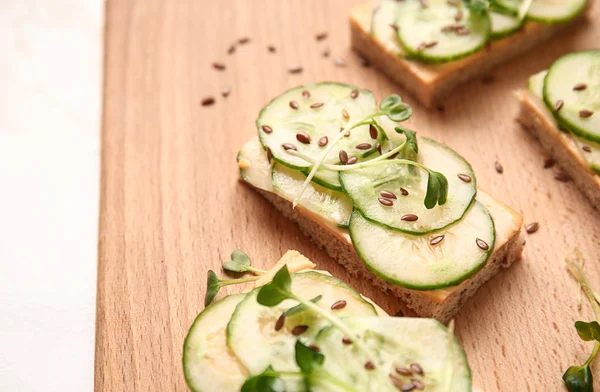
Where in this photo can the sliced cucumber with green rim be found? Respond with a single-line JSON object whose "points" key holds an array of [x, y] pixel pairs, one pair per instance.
{"points": [[432, 33], [580, 112], [384, 28], [253, 165], [507, 6], [536, 84], [397, 343], [251, 333], [426, 262], [299, 121], [590, 152], [365, 187], [332, 205], [208, 364], [555, 11], [504, 24]]}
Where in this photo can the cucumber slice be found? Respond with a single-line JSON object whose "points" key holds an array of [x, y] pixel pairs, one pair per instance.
{"points": [[384, 18], [283, 123], [413, 262], [507, 6], [364, 187], [555, 11], [397, 343], [590, 152], [503, 24], [332, 205], [253, 165], [536, 84], [251, 332], [422, 27], [563, 75], [208, 364]]}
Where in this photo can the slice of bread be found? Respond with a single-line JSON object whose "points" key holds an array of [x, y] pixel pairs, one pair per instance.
{"points": [[442, 304], [538, 120], [430, 83]]}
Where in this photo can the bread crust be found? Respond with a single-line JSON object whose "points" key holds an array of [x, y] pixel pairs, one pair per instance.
{"points": [[431, 83], [422, 302], [536, 119]]}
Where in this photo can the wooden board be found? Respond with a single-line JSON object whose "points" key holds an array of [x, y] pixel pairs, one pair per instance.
{"points": [[172, 207]]}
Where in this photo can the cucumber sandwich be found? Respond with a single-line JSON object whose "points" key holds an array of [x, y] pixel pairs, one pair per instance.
{"points": [[430, 46], [400, 210], [297, 329], [561, 107]]}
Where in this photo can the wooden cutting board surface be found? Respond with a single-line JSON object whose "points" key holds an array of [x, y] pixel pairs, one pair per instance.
{"points": [[172, 207]]}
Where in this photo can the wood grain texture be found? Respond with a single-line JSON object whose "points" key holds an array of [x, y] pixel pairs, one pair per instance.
{"points": [[172, 208]]}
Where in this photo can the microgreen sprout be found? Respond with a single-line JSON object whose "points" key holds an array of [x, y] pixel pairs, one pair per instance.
{"points": [[240, 262], [579, 378], [392, 107], [214, 284]]}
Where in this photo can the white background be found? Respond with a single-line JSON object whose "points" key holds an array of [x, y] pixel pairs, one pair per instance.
{"points": [[50, 105]]}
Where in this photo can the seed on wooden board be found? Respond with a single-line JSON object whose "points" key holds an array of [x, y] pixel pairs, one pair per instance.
{"points": [[267, 129], [482, 244], [321, 36], [562, 177], [306, 94], [323, 141], [364, 146], [373, 131], [294, 105], [207, 101], [271, 49], [437, 239], [532, 227], [243, 40], [585, 113], [499, 167], [346, 340], [337, 305], [231, 49], [354, 94], [548, 163], [387, 194], [280, 322], [404, 192], [403, 371], [558, 105], [464, 177], [416, 368], [369, 365], [269, 155], [299, 329], [586, 148], [407, 387], [303, 137], [580, 86], [386, 202], [345, 114], [315, 348], [343, 155], [316, 105], [339, 62], [289, 146], [295, 69], [219, 66], [352, 161], [225, 92], [325, 52], [410, 217]]}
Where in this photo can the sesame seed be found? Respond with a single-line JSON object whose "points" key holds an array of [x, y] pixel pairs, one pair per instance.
{"points": [[404, 192], [586, 148], [482, 244], [337, 305], [437, 239], [299, 330], [316, 105], [499, 167], [354, 94], [407, 387], [369, 365], [373, 131], [403, 371], [558, 105], [208, 101], [219, 66], [387, 194], [397, 381], [416, 368], [364, 146], [303, 137], [532, 227], [280, 322], [343, 155], [321, 36], [306, 94], [267, 129], [346, 340], [410, 218], [386, 202], [345, 114], [464, 177], [418, 384], [580, 87], [585, 113], [231, 49], [243, 40], [352, 161], [323, 141], [289, 146], [294, 105], [295, 69]]}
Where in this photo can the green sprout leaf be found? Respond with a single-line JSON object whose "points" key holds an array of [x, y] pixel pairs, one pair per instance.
{"points": [[267, 381], [393, 107], [307, 358], [588, 331], [239, 262], [212, 287], [437, 189], [301, 307], [278, 290], [579, 379]]}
